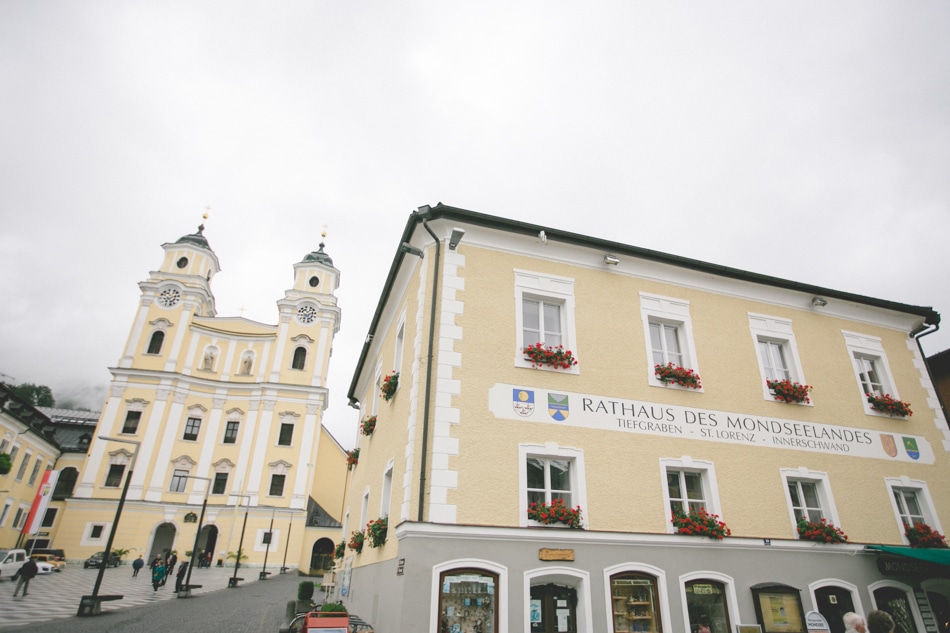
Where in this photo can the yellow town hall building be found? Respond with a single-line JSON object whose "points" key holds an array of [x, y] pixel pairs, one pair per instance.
{"points": [[511, 368], [218, 408]]}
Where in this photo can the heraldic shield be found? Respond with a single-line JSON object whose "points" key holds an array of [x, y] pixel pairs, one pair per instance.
{"points": [[558, 406], [522, 401]]}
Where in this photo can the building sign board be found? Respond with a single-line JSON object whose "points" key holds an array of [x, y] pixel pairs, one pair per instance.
{"points": [[516, 402]]}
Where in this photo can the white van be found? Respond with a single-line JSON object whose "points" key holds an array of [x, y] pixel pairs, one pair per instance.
{"points": [[10, 561]]}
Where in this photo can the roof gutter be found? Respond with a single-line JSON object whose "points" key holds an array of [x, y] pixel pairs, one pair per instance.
{"points": [[917, 334]]}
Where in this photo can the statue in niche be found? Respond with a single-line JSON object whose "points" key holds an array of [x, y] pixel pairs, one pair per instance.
{"points": [[246, 365], [208, 363]]}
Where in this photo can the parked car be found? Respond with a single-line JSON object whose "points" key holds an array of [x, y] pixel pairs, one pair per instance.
{"points": [[10, 561], [96, 560], [57, 554], [57, 565], [43, 567]]}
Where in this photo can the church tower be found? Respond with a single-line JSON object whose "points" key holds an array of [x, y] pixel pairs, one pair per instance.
{"points": [[219, 408]]}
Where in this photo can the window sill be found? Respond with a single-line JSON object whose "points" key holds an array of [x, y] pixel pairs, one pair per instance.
{"points": [[666, 385], [189, 439], [552, 526], [574, 371]]}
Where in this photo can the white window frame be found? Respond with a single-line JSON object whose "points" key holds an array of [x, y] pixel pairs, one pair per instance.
{"points": [[27, 455], [183, 478], [710, 488], [778, 331], [552, 450], [551, 289], [923, 499], [668, 311], [88, 540], [364, 509], [870, 347], [377, 388], [6, 511], [829, 510], [36, 470], [400, 343], [385, 498]]}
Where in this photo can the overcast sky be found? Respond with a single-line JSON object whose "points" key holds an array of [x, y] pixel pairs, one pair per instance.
{"points": [[804, 140]]}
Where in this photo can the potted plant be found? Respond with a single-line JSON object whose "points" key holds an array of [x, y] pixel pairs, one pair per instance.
{"points": [[922, 536], [368, 425], [352, 458], [542, 355], [233, 555], [788, 391], [356, 541], [890, 406], [820, 532], [5, 463], [376, 531], [556, 512], [333, 607], [671, 374], [305, 596], [389, 386], [340, 549], [700, 523]]}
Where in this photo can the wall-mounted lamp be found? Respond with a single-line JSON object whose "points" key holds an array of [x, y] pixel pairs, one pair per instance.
{"points": [[818, 302], [611, 260], [457, 235], [406, 247]]}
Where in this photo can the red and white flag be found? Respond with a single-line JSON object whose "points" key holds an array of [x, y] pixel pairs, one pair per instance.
{"points": [[43, 496]]}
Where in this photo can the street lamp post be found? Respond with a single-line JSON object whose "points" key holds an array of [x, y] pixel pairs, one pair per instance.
{"points": [[233, 582], [91, 605], [290, 526], [270, 537], [194, 550]]}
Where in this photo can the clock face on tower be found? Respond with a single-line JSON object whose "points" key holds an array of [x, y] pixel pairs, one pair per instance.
{"points": [[169, 297], [306, 314]]}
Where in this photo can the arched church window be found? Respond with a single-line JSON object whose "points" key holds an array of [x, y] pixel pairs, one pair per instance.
{"points": [[155, 343], [300, 358]]}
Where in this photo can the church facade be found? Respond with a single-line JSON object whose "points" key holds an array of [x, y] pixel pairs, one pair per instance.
{"points": [[217, 411], [574, 435]]}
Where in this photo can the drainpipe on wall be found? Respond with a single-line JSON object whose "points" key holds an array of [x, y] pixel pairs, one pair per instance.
{"points": [[423, 462], [918, 334]]}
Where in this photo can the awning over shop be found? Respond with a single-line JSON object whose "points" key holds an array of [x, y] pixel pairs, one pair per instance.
{"points": [[936, 556]]}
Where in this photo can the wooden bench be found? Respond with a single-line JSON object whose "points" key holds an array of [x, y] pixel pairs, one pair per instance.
{"points": [[186, 590], [233, 582], [92, 605], [263, 575]]}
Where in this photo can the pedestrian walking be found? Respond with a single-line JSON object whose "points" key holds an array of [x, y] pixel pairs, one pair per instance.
{"points": [[170, 564], [137, 565], [180, 577], [24, 575], [158, 574]]}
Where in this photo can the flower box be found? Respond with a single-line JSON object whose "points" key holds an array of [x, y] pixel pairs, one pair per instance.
{"points": [[788, 391], [820, 532], [377, 530], [340, 550], [352, 458], [546, 356], [556, 512], [389, 386], [671, 374], [700, 523], [922, 536], [368, 425], [356, 541], [890, 406]]}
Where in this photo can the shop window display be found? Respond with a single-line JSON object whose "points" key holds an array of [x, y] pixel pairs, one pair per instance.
{"points": [[706, 605], [634, 604], [467, 602]]}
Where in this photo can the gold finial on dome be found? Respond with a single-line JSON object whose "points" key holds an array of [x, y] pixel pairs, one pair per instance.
{"points": [[324, 234], [204, 216]]}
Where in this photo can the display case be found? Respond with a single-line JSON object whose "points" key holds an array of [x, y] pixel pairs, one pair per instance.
{"points": [[467, 603], [634, 604]]}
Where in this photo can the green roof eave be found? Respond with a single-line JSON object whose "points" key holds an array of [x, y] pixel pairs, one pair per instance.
{"points": [[441, 211], [937, 556]]}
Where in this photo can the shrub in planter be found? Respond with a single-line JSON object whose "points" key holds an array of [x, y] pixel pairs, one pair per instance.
{"points": [[5, 463], [700, 523], [305, 590], [820, 532], [368, 425], [671, 374], [788, 391], [333, 607], [922, 536], [890, 406], [376, 531], [389, 386], [356, 541]]}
